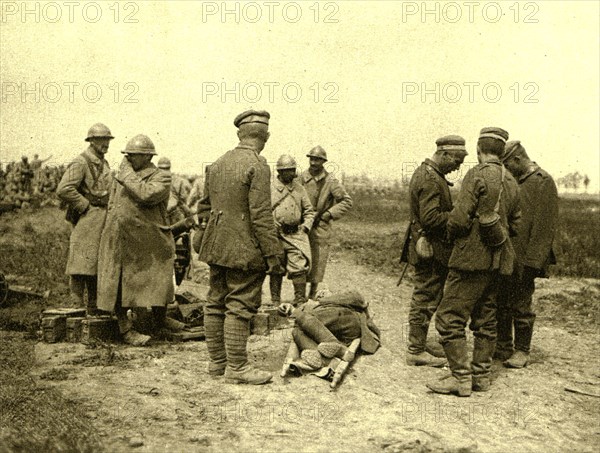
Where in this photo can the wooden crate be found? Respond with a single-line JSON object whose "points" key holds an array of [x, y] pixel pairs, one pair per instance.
{"points": [[54, 328], [74, 329], [100, 328]]}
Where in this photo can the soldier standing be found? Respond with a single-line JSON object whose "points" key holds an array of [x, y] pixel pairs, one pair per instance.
{"points": [[84, 188], [430, 204], [240, 245], [180, 191], [533, 248], [485, 213], [293, 214], [330, 201], [135, 267]]}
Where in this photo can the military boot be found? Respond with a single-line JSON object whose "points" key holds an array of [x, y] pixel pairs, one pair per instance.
{"points": [[417, 356], [523, 334], [299, 290], [275, 284], [481, 364], [459, 382], [238, 370], [215, 343], [92, 289], [518, 360]]}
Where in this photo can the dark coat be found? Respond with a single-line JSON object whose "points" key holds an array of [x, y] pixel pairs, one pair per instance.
{"points": [[478, 195], [240, 232], [430, 204], [137, 246], [537, 230]]}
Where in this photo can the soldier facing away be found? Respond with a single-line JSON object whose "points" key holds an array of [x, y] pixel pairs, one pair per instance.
{"points": [[84, 188], [137, 251], [533, 248], [330, 201], [430, 204], [240, 245], [293, 214], [486, 212]]}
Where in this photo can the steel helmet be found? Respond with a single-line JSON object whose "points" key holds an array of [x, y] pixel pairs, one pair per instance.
{"points": [[140, 144], [286, 162], [317, 151], [164, 163], [98, 130]]}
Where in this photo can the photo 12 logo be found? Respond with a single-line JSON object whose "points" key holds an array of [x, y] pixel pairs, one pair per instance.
{"points": [[54, 12], [253, 92], [270, 12], [453, 92], [469, 12], [54, 92]]}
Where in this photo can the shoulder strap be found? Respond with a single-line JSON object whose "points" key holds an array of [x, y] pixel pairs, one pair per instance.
{"points": [[287, 194], [91, 166], [497, 207]]}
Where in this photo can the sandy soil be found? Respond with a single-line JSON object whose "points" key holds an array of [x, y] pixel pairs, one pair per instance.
{"points": [[160, 397]]}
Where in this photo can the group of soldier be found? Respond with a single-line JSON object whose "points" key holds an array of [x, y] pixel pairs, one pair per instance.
{"points": [[23, 183], [477, 257]]}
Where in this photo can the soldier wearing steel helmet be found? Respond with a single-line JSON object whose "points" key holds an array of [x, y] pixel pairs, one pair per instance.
{"points": [[84, 188], [137, 251], [293, 214], [240, 245], [180, 191], [330, 201]]}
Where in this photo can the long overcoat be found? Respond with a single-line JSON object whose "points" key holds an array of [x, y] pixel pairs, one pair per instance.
{"points": [[85, 236], [137, 247]]}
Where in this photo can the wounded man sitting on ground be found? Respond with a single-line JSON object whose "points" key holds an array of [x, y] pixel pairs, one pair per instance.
{"points": [[326, 330]]}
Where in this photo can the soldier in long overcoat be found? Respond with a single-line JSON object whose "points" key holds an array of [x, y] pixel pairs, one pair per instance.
{"points": [[485, 214], [533, 248], [330, 201], [137, 249], [240, 245], [84, 187], [430, 204]]}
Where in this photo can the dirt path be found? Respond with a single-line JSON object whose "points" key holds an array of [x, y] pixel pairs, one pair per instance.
{"points": [[160, 398]]}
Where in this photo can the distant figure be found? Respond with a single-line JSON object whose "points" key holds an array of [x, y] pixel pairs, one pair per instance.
{"points": [[84, 188], [533, 247], [330, 201]]}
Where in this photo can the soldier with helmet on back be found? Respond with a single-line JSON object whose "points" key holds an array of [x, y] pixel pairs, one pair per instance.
{"points": [[330, 201], [84, 188], [137, 251], [293, 214]]}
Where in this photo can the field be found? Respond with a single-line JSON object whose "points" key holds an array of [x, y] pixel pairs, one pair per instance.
{"points": [[63, 397]]}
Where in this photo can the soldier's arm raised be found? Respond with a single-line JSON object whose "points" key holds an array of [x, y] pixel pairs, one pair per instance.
{"points": [[430, 213], [146, 192]]}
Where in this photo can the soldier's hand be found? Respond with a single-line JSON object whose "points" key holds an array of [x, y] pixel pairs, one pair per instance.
{"points": [[286, 309], [326, 216], [274, 265]]}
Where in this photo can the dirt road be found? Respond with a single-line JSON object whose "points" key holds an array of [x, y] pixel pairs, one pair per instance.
{"points": [[160, 398]]}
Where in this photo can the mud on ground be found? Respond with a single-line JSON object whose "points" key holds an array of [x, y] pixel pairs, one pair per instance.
{"points": [[160, 398]]}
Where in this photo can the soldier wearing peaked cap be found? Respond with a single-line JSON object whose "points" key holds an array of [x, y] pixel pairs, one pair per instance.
{"points": [[533, 249], [485, 213], [240, 245], [330, 201], [137, 252], [84, 188], [430, 204]]}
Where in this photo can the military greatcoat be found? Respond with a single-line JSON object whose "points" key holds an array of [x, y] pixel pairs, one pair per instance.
{"points": [[77, 181], [137, 250], [326, 194]]}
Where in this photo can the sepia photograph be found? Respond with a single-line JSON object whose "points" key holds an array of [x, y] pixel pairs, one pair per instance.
{"points": [[299, 226]]}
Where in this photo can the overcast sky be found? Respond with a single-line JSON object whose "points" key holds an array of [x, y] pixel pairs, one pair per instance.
{"points": [[374, 83]]}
